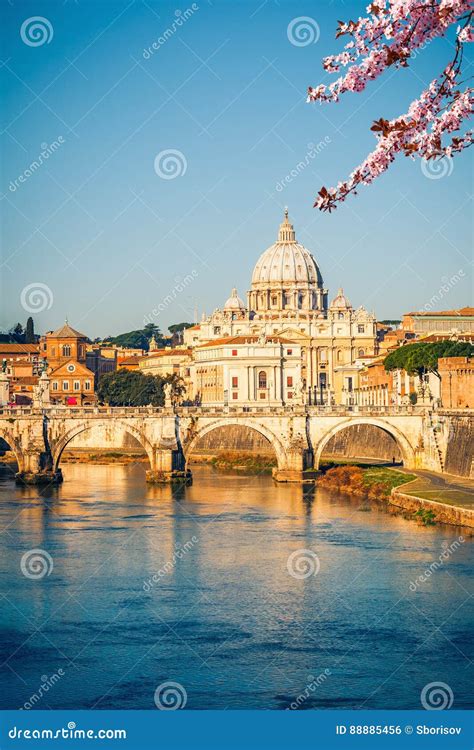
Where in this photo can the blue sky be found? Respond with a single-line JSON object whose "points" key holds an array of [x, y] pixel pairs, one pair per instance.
{"points": [[112, 241]]}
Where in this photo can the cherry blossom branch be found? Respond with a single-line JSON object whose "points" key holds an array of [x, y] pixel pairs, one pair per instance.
{"points": [[391, 34]]}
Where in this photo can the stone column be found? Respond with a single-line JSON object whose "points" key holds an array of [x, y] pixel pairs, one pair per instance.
{"points": [[4, 389]]}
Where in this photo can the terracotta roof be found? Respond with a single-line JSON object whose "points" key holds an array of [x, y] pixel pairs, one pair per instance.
{"points": [[193, 328], [25, 380], [434, 337], [169, 353], [66, 332], [134, 360], [462, 312], [19, 349]]}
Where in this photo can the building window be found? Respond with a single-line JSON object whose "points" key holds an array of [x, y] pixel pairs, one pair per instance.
{"points": [[87, 385], [235, 395], [274, 300], [77, 385], [65, 385], [53, 351], [66, 350], [234, 352], [262, 379], [340, 316], [235, 382], [360, 329], [339, 356], [217, 330], [290, 394], [289, 381], [323, 355], [361, 352], [289, 352], [55, 385], [263, 395]]}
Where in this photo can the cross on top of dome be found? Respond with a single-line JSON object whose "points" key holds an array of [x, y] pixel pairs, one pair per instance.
{"points": [[286, 232]]}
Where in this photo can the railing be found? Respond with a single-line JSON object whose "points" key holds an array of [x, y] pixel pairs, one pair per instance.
{"points": [[189, 411]]}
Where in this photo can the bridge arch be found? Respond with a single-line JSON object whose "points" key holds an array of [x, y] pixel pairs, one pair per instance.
{"points": [[12, 445], [274, 441], [61, 443], [406, 449]]}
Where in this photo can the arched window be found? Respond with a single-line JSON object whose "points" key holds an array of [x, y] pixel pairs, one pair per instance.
{"points": [[339, 356], [66, 350], [262, 379], [361, 352]]}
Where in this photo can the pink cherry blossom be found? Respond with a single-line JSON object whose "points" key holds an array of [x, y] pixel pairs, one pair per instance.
{"points": [[390, 35]]}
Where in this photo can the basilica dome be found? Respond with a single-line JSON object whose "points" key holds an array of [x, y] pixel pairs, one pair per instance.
{"points": [[234, 302], [286, 260], [286, 276], [340, 301]]}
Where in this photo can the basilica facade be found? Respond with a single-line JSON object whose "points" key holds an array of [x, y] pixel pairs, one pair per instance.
{"points": [[286, 343]]}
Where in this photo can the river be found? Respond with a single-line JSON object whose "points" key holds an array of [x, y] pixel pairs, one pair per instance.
{"points": [[143, 585]]}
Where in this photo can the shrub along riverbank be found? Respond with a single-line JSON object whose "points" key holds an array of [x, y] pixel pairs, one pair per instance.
{"points": [[374, 482]]}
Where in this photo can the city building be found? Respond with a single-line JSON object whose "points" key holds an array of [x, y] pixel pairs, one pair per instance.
{"points": [[457, 382], [444, 321], [245, 370], [71, 381], [166, 362], [287, 299]]}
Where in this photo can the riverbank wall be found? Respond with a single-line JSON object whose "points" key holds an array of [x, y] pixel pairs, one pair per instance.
{"points": [[442, 512]]}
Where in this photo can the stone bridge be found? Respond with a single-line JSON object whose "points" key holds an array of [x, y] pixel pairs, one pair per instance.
{"points": [[298, 434]]}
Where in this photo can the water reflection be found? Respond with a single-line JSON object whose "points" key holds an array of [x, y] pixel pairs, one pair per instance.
{"points": [[191, 584]]}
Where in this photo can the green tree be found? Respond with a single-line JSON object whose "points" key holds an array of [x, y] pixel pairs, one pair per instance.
{"points": [[130, 388], [138, 339], [30, 337], [419, 358], [17, 334]]}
